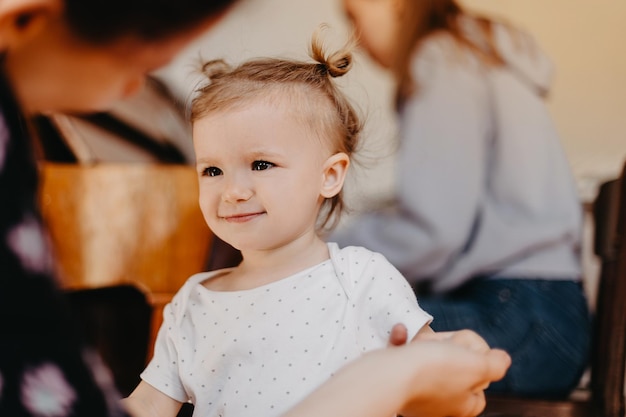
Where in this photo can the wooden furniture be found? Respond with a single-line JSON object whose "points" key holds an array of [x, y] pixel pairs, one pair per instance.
{"points": [[605, 395], [115, 321], [119, 195], [116, 223]]}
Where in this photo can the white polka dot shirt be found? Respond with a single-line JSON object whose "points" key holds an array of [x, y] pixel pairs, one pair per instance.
{"points": [[260, 351]]}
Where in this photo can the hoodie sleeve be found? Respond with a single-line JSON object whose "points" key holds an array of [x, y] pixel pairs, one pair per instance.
{"points": [[440, 169]]}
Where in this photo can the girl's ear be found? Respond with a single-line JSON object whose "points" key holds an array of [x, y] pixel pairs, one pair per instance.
{"points": [[335, 170], [20, 19]]}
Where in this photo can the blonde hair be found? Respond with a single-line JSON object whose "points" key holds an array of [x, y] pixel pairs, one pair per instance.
{"points": [[423, 18], [310, 89]]}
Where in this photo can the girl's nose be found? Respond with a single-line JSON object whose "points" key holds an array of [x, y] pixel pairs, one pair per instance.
{"points": [[237, 190]]}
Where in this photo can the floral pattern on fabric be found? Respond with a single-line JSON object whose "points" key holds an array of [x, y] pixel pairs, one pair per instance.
{"points": [[43, 371], [26, 240], [46, 393]]}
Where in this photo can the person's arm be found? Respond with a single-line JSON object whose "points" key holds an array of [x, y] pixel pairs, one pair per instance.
{"points": [[45, 366], [160, 392], [424, 332], [425, 379], [441, 164], [147, 401], [464, 337]]}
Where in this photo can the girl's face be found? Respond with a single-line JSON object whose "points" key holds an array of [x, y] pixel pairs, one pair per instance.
{"points": [[262, 176], [377, 23], [52, 70]]}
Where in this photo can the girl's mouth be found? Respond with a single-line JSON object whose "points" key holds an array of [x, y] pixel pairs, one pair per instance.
{"points": [[242, 218]]}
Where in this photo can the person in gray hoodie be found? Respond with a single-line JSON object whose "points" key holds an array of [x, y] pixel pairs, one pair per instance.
{"points": [[485, 221]]}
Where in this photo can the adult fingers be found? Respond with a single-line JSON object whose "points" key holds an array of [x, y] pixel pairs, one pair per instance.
{"points": [[470, 340], [477, 404], [498, 363], [466, 338]]}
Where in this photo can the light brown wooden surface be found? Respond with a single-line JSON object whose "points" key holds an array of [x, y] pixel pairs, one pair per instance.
{"points": [[119, 223], [114, 223]]}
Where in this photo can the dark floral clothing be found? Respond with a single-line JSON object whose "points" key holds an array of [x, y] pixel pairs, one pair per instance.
{"points": [[44, 372]]}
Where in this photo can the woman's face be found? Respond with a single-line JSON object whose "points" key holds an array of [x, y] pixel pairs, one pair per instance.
{"points": [[53, 71], [377, 23]]}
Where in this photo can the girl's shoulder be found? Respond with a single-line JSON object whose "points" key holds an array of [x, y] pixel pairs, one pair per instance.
{"points": [[355, 260], [348, 253], [180, 299]]}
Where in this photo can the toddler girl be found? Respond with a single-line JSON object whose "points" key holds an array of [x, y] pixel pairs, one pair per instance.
{"points": [[273, 140]]}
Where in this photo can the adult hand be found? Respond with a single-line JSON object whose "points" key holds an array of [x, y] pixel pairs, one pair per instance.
{"points": [[454, 372], [467, 338], [429, 378], [469, 402]]}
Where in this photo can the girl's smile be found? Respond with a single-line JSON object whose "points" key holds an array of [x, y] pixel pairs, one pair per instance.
{"points": [[242, 218]]}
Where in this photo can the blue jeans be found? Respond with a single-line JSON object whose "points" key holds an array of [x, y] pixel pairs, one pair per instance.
{"points": [[544, 325]]}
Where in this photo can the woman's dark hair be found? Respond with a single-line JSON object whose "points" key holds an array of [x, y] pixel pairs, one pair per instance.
{"points": [[423, 18], [101, 21]]}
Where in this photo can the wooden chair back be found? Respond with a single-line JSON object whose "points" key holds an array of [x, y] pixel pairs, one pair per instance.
{"points": [[113, 223], [609, 355], [123, 223]]}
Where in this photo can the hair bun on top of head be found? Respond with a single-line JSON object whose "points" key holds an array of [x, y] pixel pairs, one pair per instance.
{"points": [[335, 64], [215, 68]]}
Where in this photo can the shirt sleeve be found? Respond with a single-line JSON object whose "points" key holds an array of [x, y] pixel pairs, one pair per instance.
{"points": [[163, 372], [441, 164], [387, 298]]}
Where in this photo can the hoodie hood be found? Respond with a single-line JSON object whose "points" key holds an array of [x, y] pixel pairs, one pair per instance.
{"points": [[520, 52]]}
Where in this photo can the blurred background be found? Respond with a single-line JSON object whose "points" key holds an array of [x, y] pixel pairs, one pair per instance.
{"points": [[583, 38], [588, 100]]}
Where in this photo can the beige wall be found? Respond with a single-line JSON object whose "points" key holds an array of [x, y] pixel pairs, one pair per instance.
{"points": [[586, 41]]}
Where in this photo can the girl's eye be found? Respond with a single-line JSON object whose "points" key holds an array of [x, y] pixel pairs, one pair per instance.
{"points": [[212, 172], [261, 165]]}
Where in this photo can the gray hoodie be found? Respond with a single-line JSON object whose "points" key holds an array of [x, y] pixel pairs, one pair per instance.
{"points": [[483, 187]]}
